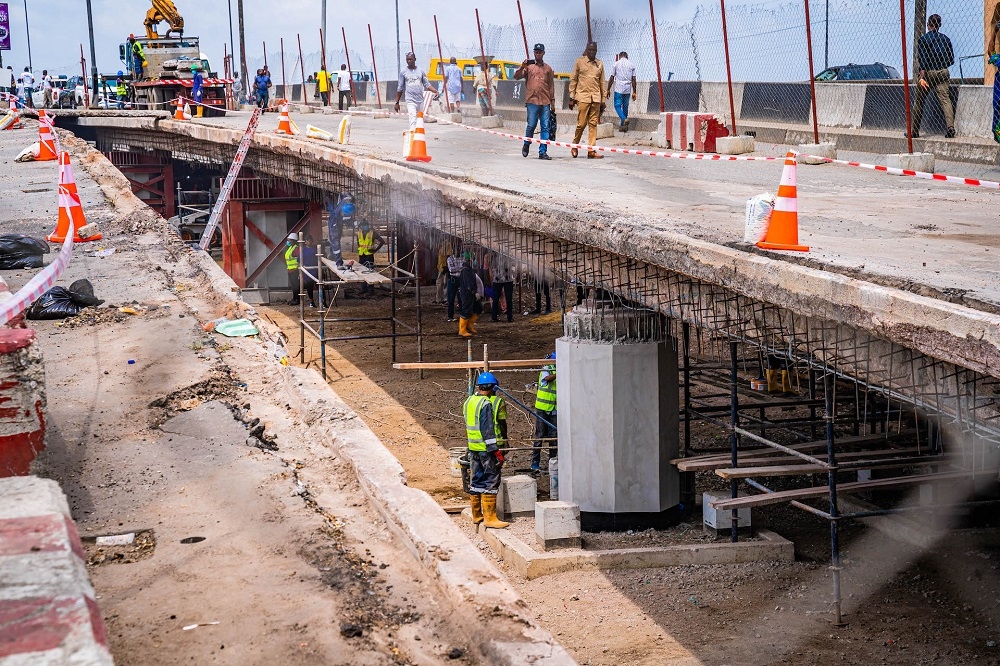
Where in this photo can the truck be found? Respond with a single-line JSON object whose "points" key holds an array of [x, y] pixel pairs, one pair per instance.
{"points": [[168, 74]]}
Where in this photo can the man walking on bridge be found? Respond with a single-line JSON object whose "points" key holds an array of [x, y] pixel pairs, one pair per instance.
{"points": [[935, 55], [622, 83], [413, 82], [539, 99], [586, 90], [484, 422]]}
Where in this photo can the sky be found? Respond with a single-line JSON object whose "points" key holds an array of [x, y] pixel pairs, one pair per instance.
{"points": [[58, 27]]}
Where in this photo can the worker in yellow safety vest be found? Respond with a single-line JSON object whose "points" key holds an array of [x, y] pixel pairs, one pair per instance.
{"points": [[545, 413], [485, 427], [369, 242], [292, 266], [138, 57]]}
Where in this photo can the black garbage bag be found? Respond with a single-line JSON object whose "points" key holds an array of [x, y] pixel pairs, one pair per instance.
{"points": [[19, 251], [60, 302]]}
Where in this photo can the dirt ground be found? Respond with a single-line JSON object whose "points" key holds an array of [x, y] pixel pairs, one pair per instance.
{"points": [[902, 606], [256, 545]]}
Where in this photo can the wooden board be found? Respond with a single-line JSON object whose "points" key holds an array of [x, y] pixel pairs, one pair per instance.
{"points": [[465, 365], [820, 491], [796, 470], [361, 274], [708, 465]]}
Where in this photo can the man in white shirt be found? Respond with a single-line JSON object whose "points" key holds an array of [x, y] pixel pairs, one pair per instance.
{"points": [[344, 87], [28, 81], [46, 89], [622, 83]]}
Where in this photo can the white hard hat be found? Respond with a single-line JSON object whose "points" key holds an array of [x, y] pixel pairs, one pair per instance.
{"points": [[293, 237]]}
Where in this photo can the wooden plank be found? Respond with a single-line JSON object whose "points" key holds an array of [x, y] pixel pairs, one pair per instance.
{"points": [[803, 447], [708, 465], [820, 491], [360, 275], [795, 470], [465, 365]]}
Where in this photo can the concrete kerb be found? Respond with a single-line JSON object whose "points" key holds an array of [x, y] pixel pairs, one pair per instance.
{"points": [[530, 563], [465, 576], [947, 331]]}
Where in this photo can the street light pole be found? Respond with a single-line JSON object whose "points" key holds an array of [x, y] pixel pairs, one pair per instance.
{"points": [[243, 48], [28, 31], [826, 45], [399, 62], [232, 42], [323, 23], [93, 55]]}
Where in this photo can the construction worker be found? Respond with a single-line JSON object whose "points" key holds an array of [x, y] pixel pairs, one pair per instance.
{"points": [[545, 413], [369, 242], [341, 212], [484, 423], [138, 57], [292, 266], [470, 296], [121, 90], [197, 85]]}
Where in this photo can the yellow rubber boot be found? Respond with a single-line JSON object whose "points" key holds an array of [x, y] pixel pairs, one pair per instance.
{"points": [[463, 327], [773, 381], [472, 323], [490, 512], [476, 502], [201, 110], [786, 382]]}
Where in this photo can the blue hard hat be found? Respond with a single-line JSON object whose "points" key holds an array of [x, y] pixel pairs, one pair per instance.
{"points": [[487, 379], [121, 73], [348, 208], [552, 356]]}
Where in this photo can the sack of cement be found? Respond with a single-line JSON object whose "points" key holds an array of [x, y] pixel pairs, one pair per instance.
{"points": [[29, 154], [344, 131], [317, 133], [19, 251], [759, 209]]}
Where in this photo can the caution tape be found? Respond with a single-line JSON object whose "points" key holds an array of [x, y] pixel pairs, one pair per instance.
{"points": [[896, 171], [39, 284]]}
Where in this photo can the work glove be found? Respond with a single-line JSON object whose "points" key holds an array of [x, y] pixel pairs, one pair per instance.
{"points": [[499, 456], [924, 84]]}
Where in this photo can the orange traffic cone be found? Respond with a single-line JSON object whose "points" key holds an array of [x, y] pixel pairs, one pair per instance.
{"points": [[783, 231], [418, 144], [183, 112], [285, 125], [46, 144], [70, 209]]}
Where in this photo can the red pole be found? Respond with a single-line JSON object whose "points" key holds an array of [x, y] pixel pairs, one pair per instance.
{"points": [[284, 85], [486, 68], [812, 75], [656, 52], [378, 92], [729, 71], [83, 67], [906, 77], [524, 34], [343, 32], [410, 24], [444, 84], [586, 4], [264, 44], [302, 68]]}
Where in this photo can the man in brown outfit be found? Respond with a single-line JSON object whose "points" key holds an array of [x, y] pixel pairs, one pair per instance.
{"points": [[586, 89], [540, 99]]}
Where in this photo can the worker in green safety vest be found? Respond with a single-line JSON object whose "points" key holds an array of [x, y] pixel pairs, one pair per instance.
{"points": [[545, 413], [292, 266], [121, 90], [486, 428], [369, 242]]}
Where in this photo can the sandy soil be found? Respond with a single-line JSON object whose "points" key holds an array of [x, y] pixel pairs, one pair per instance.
{"points": [[902, 606]]}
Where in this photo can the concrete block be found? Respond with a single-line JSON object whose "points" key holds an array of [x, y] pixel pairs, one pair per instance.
{"points": [[840, 104], [715, 519], [490, 122], [517, 496], [606, 131], [971, 116], [305, 109], [454, 117], [328, 110], [557, 525], [825, 149], [248, 108], [735, 145], [715, 99], [22, 393], [911, 161]]}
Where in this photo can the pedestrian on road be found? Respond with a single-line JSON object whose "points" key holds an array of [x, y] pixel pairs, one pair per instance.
{"points": [[46, 89], [292, 266], [539, 100], [341, 214], [369, 242], [470, 296], [261, 83], [412, 82], [453, 84], [28, 83], [545, 413], [454, 275], [344, 88], [622, 83], [444, 251], [503, 284], [934, 55], [484, 88], [323, 85], [586, 90], [138, 58], [485, 427], [197, 89]]}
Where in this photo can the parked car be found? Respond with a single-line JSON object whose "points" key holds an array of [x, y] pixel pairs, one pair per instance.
{"points": [[851, 72], [63, 94]]}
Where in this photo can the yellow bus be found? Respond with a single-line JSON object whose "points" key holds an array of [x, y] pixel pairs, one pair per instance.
{"points": [[501, 70]]}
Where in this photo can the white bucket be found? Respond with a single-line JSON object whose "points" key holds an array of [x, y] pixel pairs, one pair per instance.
{"points": [[454, 454], [553, 478]]}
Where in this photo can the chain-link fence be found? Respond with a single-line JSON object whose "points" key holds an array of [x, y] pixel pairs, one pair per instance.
{"points": [[857, 60]]}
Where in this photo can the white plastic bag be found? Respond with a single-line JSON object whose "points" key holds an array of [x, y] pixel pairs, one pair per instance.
{"points": [[759, 210]]}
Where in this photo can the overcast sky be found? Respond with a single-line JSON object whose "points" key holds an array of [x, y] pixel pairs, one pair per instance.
{"points": [[58, 27]]}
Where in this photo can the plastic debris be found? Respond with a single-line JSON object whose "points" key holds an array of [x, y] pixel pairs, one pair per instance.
{"points": [[238, 328], [116, 539], [199, 624]]}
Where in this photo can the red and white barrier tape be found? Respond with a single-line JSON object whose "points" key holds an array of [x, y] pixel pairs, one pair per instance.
{"points": [[39, 284], [896, 171]]}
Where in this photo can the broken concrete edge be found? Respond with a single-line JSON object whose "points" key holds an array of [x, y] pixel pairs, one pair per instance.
{"points": [[44, 580], [427, 531], [531, 564], [947, 331]]}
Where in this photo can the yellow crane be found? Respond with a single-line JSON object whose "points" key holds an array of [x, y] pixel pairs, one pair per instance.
{"points": [[163, 10]]}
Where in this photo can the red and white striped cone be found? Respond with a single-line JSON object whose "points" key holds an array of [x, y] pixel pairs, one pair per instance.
{"points": [[783, 230], [71, 217], [46, 144]]}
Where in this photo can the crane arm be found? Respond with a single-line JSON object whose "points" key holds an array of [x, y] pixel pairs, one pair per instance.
{"points": [[163, 10]]}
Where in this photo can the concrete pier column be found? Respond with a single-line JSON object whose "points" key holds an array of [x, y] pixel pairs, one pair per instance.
{"points": [[618, 419]]}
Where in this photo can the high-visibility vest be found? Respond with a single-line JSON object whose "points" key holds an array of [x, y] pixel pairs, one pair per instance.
{"points": [[545, 397], [291, 260], [137, 50], [472, 408], [120, 89], [365, 242], [499, 414]]}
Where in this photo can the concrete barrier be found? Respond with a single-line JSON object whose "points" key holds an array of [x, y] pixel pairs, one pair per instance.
{"points": [[22, 397], [48, 614], [974, 111], [840, 104]]}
